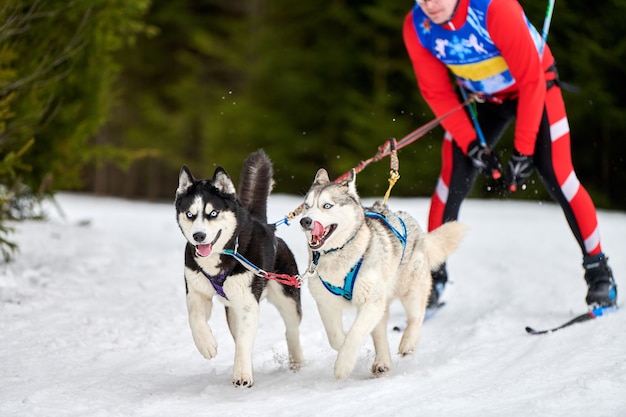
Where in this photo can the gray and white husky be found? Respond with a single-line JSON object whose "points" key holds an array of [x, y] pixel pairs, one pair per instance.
{"points": [[365, 258], [214, 218]]}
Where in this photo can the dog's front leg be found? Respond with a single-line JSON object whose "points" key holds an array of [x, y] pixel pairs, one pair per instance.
{"points": [[246, 316], [199, 308], [368, 316], [330, 313]]}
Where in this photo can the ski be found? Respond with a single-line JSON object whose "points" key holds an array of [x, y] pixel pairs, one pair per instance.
{"points": [[590, 315]]}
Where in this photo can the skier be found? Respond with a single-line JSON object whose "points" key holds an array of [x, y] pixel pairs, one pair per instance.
{"points": [[491, 48]]}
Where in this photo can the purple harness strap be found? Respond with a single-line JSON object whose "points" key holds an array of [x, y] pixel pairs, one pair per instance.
{"points": [[217, 281]]}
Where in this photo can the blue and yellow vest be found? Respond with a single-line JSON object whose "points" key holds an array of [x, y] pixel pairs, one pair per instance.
{"points": [[469, 51]]}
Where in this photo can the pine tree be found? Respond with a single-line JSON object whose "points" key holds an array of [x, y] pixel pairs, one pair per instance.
{"points": [[57, 67]]}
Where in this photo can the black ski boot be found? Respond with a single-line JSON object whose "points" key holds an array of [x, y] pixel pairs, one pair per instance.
{"points": [[440, 278], [602, 289]]}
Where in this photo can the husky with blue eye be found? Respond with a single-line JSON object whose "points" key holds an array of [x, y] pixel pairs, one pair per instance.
{"points": [[215, 220], [364, 259]]}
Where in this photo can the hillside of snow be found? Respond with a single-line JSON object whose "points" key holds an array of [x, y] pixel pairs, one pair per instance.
{"points": [[93, 322]]}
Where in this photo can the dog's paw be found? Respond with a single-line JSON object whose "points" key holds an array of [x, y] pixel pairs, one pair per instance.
{"points": [[406, 346], [294, 365], [206, 344], [209, 352], [343, 368], [405, 352], [380, 369], [243, 381]]}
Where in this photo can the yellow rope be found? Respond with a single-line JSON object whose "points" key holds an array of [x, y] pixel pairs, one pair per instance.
{"points": [[394, 176]]}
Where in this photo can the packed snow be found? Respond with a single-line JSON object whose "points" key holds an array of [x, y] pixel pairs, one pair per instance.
{"points": [[93, 323]]}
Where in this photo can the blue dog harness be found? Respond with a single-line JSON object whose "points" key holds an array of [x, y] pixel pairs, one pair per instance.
{"points": [[348, 282]]}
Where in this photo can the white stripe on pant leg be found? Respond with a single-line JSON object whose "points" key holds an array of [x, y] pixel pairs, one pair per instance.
{"points": [[559, 129], [593, 240], [570, 186], [442, 190]]}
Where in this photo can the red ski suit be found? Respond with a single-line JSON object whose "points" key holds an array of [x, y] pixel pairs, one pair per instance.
{"points": [[534, 101]]}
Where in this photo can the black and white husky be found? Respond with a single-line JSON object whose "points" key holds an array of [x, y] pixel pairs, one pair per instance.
{"points": [[215, 219], [365, 258]]}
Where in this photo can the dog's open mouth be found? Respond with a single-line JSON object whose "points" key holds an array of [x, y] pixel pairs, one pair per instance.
{"points": [[205, 249], [319, 234]]}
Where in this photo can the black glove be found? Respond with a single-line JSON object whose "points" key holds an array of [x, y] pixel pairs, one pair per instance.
{"points": [[485, 159], [520, 168]]}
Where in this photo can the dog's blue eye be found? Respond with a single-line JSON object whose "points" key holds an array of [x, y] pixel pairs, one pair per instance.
{"points": [[327, 206], [213, 214], [189, 215]]}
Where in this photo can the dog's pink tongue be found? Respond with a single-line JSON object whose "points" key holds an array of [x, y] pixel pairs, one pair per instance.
{"points": [[204, 250], [318, 230]]}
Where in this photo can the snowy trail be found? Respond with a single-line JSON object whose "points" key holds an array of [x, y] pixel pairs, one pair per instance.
{"points": [[93, 323]]}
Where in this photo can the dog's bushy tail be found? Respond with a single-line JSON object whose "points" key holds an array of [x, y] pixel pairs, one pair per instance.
{"points": [[441, 242], [255, 184]]}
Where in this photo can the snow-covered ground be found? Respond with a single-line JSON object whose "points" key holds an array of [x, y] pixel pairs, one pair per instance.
{"points": [[93, 323]]}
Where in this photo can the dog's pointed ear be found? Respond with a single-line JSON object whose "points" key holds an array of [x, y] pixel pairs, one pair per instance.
{"points": [[352, 183], [185, 180], [222, 181], [321, 177]]}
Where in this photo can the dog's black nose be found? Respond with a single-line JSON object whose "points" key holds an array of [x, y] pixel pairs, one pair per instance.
{"points": [[306, 223], [199, 237]]}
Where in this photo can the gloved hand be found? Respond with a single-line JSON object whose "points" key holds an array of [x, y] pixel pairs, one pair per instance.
{"points": [[485, 159], [520, 168]]}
